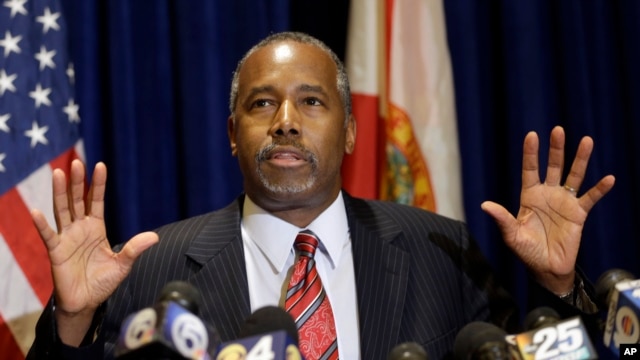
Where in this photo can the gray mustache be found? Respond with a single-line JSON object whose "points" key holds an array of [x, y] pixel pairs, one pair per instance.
{"points": [[263, 153]]}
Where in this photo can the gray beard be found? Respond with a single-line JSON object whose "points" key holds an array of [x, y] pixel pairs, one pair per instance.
{"points": [[291, 187], [286, 188]]}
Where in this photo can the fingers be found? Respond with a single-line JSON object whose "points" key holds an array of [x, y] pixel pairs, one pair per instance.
{"points": [[76, 189], [556, 157], [530, 173], [47, 234], [95, 197], [556, 162], [579, 165], [69, 202], [591, 197], [61, 209]]}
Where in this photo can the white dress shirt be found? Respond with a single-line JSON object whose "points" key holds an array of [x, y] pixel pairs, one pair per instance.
{"points": [[269, 254]]}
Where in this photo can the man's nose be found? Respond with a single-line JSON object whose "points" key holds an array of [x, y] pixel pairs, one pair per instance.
{"points": [[286, 121]]}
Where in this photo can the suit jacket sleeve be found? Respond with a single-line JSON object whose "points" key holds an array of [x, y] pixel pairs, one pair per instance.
{"points": [[48, 345]]}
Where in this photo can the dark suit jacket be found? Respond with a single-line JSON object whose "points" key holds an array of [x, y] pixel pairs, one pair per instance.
{"points": [[419, 277]]}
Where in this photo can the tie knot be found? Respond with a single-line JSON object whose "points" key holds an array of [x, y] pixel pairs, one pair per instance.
{"points": [[306, 243]]}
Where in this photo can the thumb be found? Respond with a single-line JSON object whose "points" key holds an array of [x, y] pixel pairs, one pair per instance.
{"points": [[136, 246], [506, 222]]}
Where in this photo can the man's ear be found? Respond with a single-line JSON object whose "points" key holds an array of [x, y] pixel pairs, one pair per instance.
{"points": [[350, 141], [231, 132]]}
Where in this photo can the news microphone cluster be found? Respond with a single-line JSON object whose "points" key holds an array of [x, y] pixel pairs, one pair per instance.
{"points": [[546, 337], [170, 329]]}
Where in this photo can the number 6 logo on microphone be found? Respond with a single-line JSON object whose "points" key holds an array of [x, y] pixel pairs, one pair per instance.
{"points": [[187, 333], [141, 328]]}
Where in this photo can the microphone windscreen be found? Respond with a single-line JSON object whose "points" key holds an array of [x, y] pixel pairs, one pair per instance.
{"points": [[269, 319], [607, 281], [182, 293], [539, 317], [475, 335]]}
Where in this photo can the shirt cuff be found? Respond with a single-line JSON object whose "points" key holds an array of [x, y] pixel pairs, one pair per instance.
{"points": [[579, 298]]}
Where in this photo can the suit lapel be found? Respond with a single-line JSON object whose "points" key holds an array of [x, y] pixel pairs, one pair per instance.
{"points": [[381, 271], [221, 276]]}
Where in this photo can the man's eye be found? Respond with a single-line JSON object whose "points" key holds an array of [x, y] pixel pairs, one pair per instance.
{"points": [[260, 103], [312, 101]]}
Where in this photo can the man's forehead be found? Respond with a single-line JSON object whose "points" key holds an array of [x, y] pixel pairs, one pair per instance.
{"points": [[292, 55], [287, 50]]}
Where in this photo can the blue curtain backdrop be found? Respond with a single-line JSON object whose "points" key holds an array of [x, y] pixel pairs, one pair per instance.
{"points": [[153, 80], [529, 65]]}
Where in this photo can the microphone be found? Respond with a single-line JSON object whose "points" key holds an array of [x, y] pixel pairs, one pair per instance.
{"points": [[408, 351], [549, 337], [268, 333], [540, 317], [169, 329], [481, 340], [622, 293], [606, 283]]}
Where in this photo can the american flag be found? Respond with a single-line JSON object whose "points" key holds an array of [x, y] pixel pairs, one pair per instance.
{"points": [[39, 131]]}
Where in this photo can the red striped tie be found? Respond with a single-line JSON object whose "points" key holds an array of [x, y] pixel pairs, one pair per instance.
{"points": [[308, 304]]}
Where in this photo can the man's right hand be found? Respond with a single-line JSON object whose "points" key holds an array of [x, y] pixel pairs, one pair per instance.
{"points": [[85, 269]]}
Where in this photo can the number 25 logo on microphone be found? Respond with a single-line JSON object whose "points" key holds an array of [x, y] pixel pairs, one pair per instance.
{"points": [[565, 340]]}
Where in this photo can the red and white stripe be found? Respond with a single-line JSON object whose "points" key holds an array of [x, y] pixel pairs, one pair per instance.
{"points": [[26, 283], [397, 56]]}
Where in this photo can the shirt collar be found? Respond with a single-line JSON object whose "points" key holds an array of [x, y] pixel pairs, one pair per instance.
{"points": [[275, 236]]}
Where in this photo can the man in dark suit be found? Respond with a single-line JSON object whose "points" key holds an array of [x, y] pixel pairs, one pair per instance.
{"points": [[392, 273]]}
